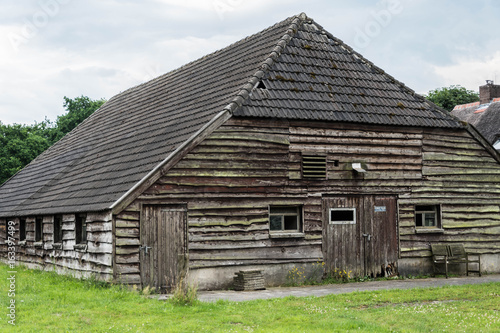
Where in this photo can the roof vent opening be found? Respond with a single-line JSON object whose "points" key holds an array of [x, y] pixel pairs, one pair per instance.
{"points": [[261, 85]]}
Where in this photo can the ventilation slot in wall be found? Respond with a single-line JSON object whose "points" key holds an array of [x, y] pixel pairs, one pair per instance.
{"points": [[313, 166]]}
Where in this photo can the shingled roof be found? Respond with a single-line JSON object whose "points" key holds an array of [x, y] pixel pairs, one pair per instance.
{"points": [[292, 70], [485, 118]]}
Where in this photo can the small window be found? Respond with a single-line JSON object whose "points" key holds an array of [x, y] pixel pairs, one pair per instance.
{"points": [[343, 216], [282, 218], [427, 216], [57, 229], [38, 229], [313, 166], [22, 230], [81, 229]]}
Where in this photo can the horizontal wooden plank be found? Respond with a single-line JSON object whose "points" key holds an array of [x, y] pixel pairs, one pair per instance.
{"points": [[269, 157], [366, 150], [222, 221], [128, 215], [99, 226], [127, 241], [99, 247], [249, 137], [132, 258], [133, 278], [452, 170], [355, 141], [244, 143], [127, 249], [99, 217], [127, 223], [229, 164], [212, 230], [442, 156], [475, 231], [127, 269], [238, 173], [223, 237], [100, 236], [204, 149], [127, 232], [369, 132]]}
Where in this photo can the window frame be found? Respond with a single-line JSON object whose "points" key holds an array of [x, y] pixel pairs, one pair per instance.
{"points": [[57, 230], [38, 236], [22, 229], [353, 209], [80, 229], [290, 232], [438, 218]]}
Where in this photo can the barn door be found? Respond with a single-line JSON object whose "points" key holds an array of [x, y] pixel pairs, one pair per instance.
{"points": [[163, 249], [359, 234]]}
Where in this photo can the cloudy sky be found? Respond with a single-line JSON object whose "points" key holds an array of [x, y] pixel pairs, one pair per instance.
{"points": [[55, 48]]}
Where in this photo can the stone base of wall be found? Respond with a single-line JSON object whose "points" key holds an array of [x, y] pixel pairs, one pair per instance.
{"points": [[490, 263], [219, 278]]}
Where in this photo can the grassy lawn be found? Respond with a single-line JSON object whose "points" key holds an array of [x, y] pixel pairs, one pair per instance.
{"points": [[49, 302]]}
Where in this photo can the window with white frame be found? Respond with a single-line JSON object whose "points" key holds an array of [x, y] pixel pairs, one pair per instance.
{"points": [[427, 216], [342, 215], [285, 219]]}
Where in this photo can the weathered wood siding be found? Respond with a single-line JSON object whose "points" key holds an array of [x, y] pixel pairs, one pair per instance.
{"points": [[230, 179], [461, 176], [127, 242], [95, 258]]}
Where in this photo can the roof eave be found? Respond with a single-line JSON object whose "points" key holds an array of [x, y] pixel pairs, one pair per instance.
{"points": [[149, 179]]}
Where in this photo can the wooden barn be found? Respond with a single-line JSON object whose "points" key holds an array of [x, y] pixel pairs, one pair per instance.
{"points": [[285, 150]]}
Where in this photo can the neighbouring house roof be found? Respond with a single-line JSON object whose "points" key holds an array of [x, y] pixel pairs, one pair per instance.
{"points": [[485, 117], [292, 70]]}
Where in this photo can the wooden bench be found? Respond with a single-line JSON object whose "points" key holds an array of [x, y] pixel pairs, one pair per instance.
{"points": [[458, 255], [440, 256], [454, 254]]}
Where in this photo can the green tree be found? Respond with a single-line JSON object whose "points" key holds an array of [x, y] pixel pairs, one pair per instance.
{"points": [[78, 109], [20, 144], [448, 97]]}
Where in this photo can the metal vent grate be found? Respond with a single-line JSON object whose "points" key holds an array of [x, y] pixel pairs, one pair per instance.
{"points": [[313, 166]]}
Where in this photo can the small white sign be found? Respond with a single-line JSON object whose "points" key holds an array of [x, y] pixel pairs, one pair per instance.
{"points": [[380, 209]]}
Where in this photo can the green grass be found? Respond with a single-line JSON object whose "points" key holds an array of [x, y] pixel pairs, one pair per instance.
{"points": [[47, 302]]}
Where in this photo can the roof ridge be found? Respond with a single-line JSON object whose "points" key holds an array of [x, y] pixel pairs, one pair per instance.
{"points": [[266, 65]]}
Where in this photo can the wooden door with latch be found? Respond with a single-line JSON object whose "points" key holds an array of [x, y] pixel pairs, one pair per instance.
{"points": [[163, 249], [360, 235]]}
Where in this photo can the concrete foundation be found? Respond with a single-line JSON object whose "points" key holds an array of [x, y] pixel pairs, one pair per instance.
{"points": [[220, 278], [490, 264]]}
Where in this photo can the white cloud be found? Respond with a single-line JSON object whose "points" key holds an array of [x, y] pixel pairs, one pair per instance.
{"points": [[99, 48], [471, 72]]}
